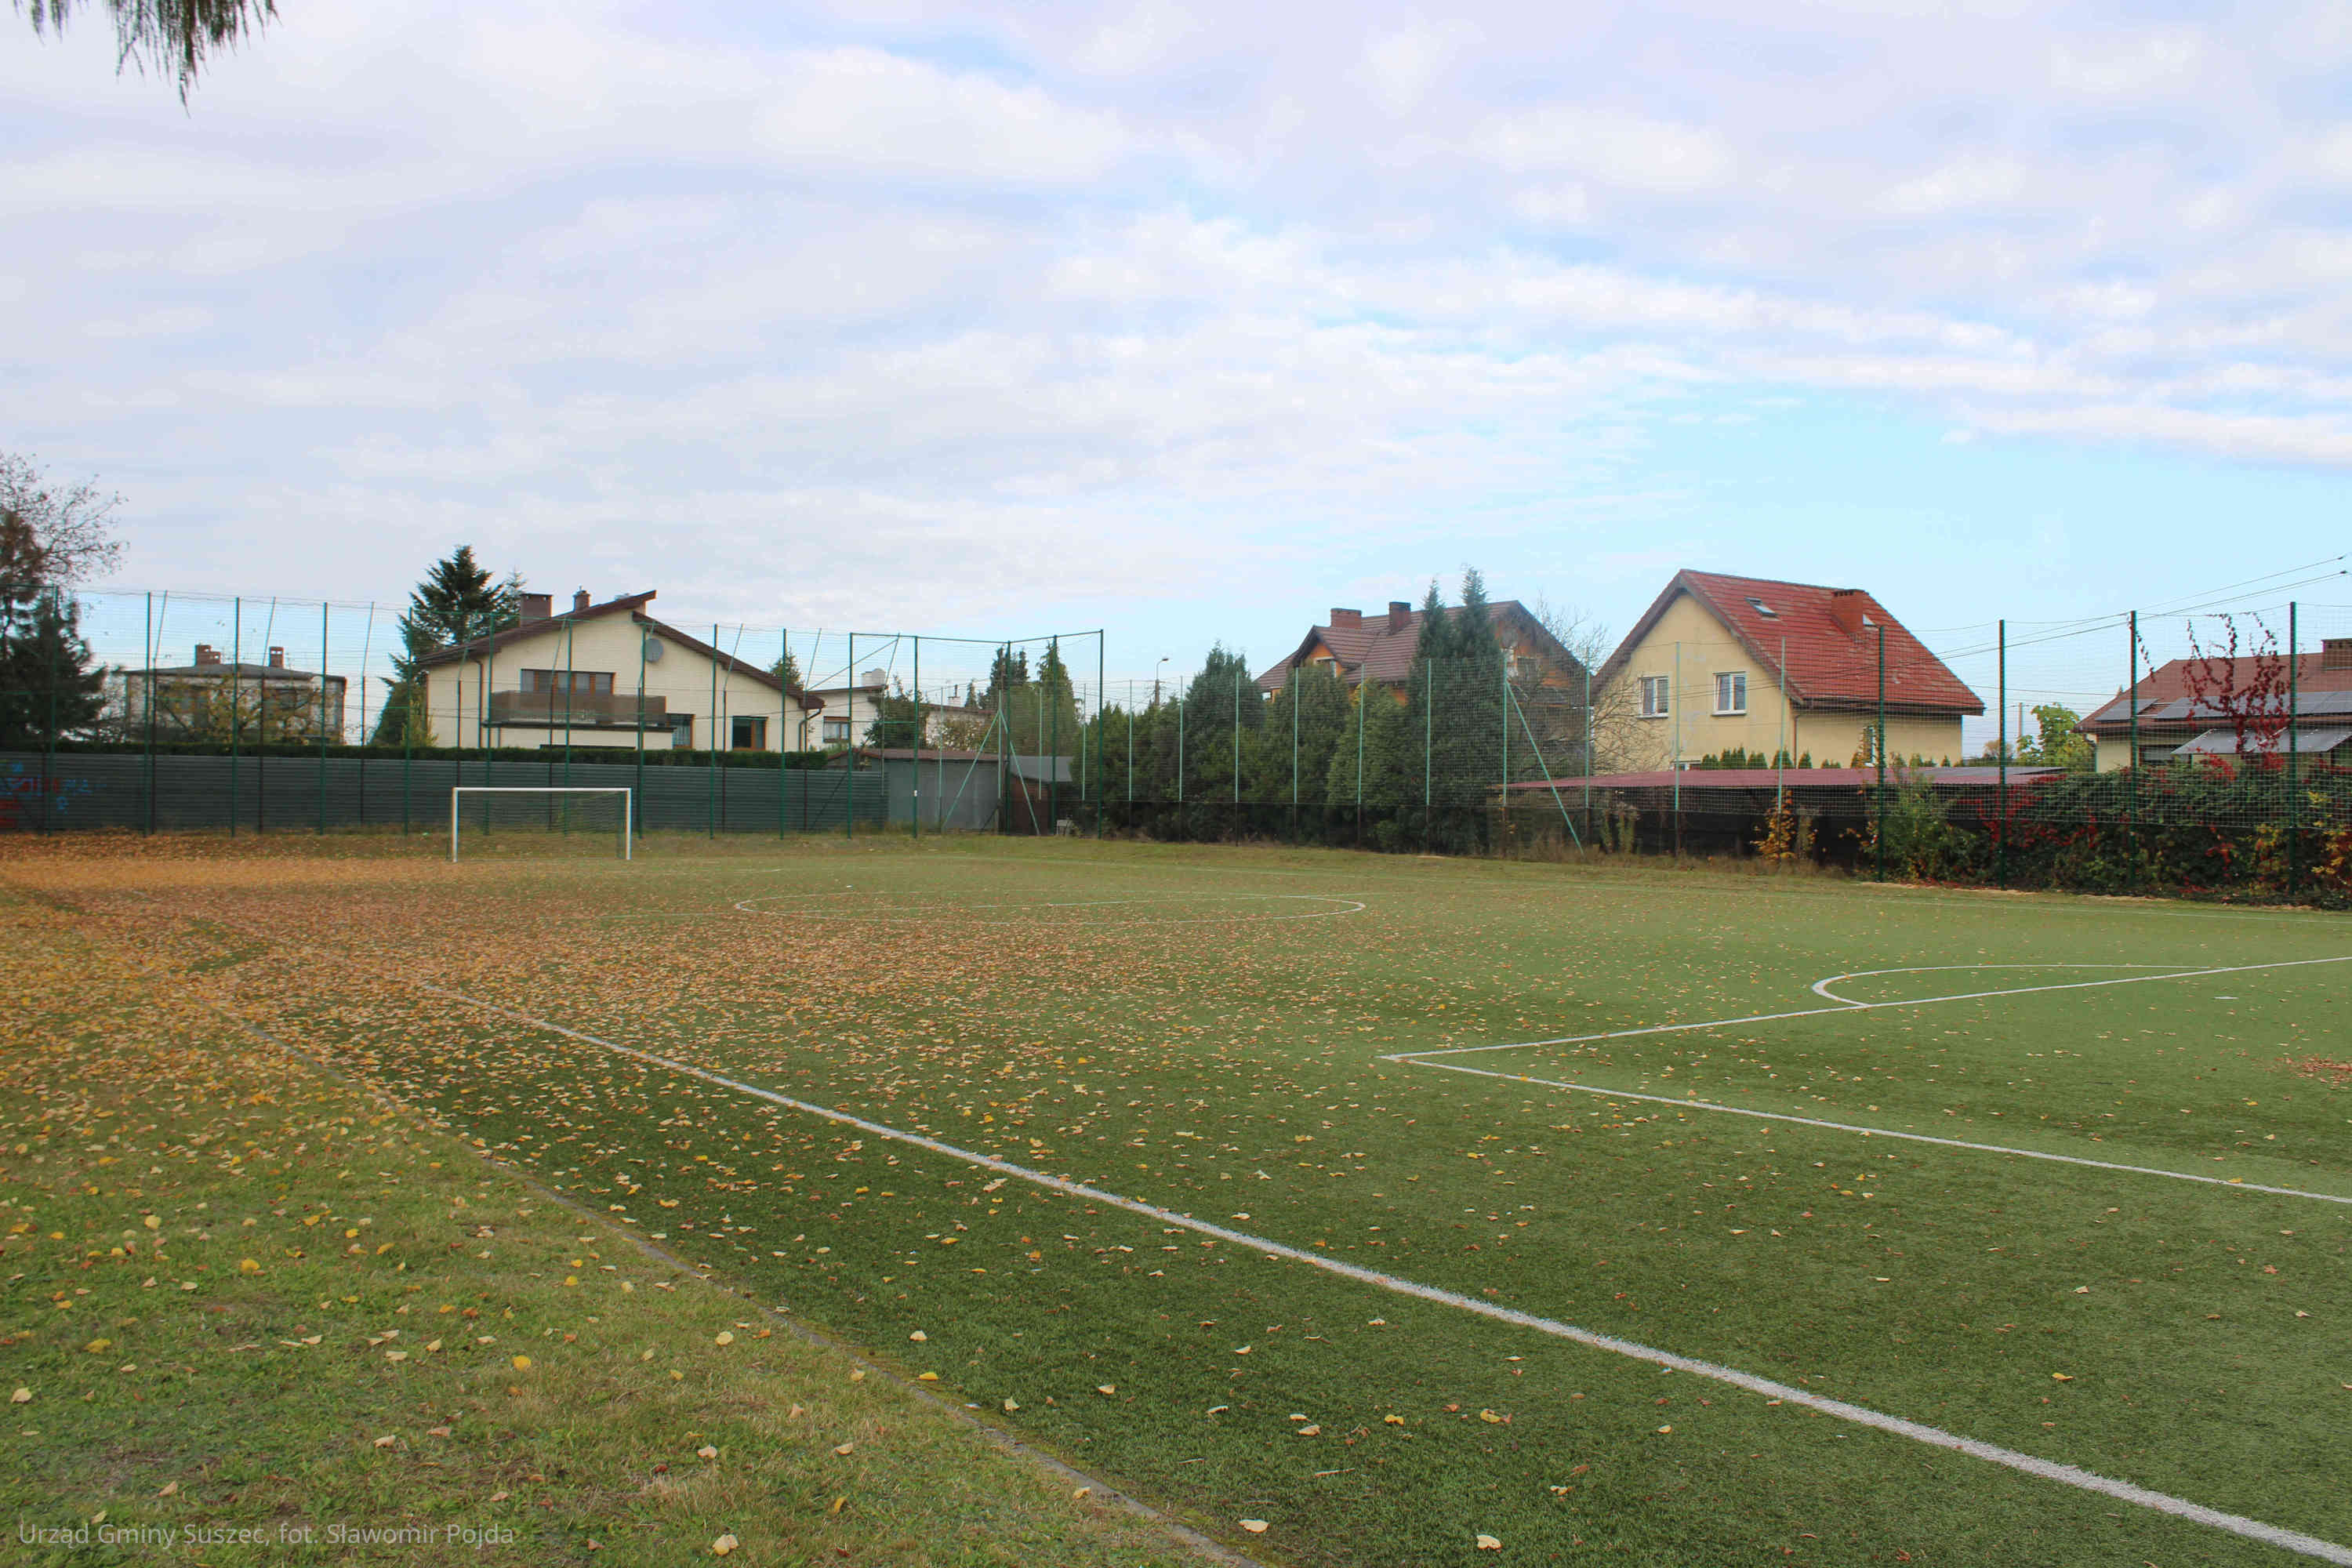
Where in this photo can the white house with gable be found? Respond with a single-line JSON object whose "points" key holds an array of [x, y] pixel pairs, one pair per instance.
{"points": [[605, 675]]}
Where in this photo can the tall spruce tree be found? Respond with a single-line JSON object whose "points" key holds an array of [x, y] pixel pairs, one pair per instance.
{"points": [[458, 602]]}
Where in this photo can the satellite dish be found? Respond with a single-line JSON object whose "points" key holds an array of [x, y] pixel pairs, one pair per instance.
{"points": [[652, 650]]}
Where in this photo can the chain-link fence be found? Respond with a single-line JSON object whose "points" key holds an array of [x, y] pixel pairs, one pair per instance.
{"points": [[2195, 751], [156, 712]]}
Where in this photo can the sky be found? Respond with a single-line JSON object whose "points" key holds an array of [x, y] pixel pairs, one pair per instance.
{"points": [[1192, 321]]}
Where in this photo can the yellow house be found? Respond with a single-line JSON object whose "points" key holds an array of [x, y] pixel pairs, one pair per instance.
{"points": [[605, 675], [1720, 664]]}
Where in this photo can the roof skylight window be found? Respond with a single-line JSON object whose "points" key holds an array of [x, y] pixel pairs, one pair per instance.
{"points": [[1761, 608]]}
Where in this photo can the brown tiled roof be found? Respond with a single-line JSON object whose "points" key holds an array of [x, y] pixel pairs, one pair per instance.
{"points": [[2168, 685], [488, 646], [1372, 649], [1832, 658]]}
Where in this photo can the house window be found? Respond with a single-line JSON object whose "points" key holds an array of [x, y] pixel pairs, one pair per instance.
{"points": [[583, 682], [1654, 696], [749, 734], [837, 731], [1761, 608], [1731, 691]]}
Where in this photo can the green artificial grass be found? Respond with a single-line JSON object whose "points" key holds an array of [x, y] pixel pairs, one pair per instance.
{"points": [[1133, 1018]]}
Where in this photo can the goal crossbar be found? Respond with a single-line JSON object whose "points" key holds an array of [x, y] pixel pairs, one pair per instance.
{"points": [[628, 806]]}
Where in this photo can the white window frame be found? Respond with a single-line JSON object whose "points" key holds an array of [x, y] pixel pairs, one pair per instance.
{"points": [[1657, 696], [1736, 678]]}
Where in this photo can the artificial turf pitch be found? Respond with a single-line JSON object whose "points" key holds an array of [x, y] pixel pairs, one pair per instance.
{"points": [[1247, 1040]]}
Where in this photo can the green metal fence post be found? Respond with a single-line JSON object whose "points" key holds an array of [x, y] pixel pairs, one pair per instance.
{"points": [[849, 827], [570, 680], [711, 796], [1294, 753], [322, 718], [148, 643], [2293, 758], [1879, 836], [915, 801], [1503, 839], [1364, 720], [1053, 726], [261, 730], [637, 798], [1237, 744], [367, 650], [2131, 756], [49, 744], [236, 697], [784, 716], [1102, 723], [2001, 839], [408, 748], [1180, 756], [1587, 747]]}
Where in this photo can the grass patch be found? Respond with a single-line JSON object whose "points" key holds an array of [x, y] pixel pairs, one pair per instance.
{"points": [[243, 1296], [1180, 1048]]}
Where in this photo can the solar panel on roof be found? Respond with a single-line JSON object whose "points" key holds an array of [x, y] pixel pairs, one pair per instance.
{"points": [[2224, 742]]}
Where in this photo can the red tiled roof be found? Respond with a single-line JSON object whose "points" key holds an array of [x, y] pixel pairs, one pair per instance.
{"points": [[1372, 649], [1832, 662]]}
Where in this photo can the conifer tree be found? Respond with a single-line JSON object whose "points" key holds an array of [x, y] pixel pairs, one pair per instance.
{"points": [[456, 603]]}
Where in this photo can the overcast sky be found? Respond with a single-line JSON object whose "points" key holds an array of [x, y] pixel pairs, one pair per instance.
{"points": [[1195, 320]]}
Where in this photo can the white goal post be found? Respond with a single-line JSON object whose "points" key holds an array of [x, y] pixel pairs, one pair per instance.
{"points": [[457, 797]]}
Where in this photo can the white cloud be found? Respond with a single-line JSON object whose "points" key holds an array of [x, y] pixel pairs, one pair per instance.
{"points": [[1398, 67], [1157, 283], [868, 111], [1610, 147], [1969, 181]]}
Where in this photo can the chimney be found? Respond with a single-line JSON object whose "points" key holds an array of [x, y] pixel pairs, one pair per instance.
{"points": [[579, 600], [277, 658], [2336, 653], [1340, 617], [1400, 612], [208, 654], [1850, 608], [537, 607], [875, 680]]}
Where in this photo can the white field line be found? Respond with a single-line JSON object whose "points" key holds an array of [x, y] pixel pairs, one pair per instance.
{"points": [[1847, 1006], [2232, 1183], [1423, 1058], [1822, 988], [915, 912], [1862, 1416]]}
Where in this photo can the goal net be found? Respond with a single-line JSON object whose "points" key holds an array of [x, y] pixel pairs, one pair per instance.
{"points": [[526, 819]]}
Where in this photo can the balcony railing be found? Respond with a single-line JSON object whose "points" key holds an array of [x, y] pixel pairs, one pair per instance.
{"points": [[578, 710]]}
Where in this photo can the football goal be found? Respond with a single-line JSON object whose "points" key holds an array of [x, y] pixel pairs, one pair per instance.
{"points": [[528, 816]]}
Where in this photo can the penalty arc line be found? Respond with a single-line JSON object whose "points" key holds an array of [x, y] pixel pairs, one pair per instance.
{"points": [[2234, 1185], [1846, 1006], [1858, 1415]]}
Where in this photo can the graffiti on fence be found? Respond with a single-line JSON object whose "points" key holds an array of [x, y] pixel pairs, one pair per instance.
{"points": [[23, 791]]}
